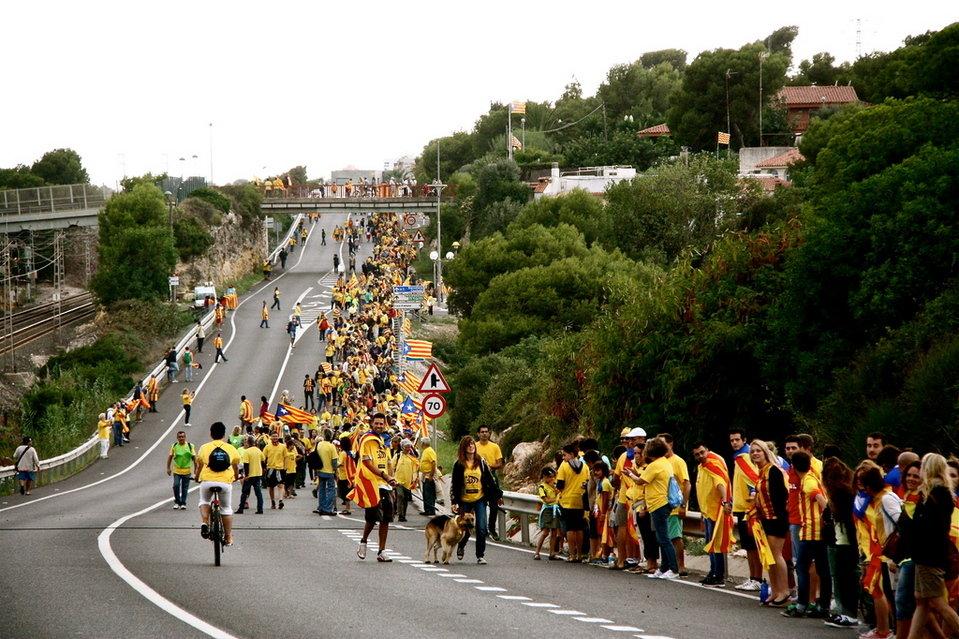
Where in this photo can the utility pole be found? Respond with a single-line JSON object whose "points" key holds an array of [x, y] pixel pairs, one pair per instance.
{"points": [[729, 129], [858, 38], [211, 154], [509, 135], [762, 58], [58, 279], [8, 301]]}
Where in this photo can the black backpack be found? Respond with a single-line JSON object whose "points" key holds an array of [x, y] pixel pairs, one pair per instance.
{"points": [[219, 460]]}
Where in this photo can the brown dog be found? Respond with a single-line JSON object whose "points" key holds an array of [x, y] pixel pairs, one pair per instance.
{"points": [[447, 532]]}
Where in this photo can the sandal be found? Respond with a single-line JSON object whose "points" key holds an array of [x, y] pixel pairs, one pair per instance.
{"points": [[537, 557], [778, 604]]}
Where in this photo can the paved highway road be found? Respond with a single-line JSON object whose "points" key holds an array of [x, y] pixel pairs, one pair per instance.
{"points": [[104, 555]]}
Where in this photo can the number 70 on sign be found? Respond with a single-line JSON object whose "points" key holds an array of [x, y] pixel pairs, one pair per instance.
{"points": [[434, 405]]}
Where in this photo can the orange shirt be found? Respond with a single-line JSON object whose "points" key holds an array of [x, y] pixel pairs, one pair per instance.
{"points": [[809, 509]]}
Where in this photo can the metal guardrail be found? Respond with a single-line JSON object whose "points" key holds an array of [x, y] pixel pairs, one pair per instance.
{"points": [[51, 199], [525, 507], [78, 458]]}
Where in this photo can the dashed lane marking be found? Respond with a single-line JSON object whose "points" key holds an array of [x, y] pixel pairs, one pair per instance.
{"points": [[514, 597], [593, 620], [623, 628], [490, 588], [539, 604], [468, 581], [568, 612]]}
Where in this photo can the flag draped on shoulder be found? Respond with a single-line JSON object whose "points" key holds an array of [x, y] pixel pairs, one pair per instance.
{"points": [[762, 542], [746, 467], [722, 539], [366, 492]]}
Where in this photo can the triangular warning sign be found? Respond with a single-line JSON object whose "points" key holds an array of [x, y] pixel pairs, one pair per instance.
{"points": [[433, 381], [418, 237]]}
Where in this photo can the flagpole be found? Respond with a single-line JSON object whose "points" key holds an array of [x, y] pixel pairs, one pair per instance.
{"points": [[509, 131]]}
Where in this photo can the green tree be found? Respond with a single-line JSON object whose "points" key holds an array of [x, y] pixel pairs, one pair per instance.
{"points": [[674, 208], [297, 174], [456, 151], [127, 183], [246, 202], [19, 177], [61, 166], [579, 209], [699, 109], [621, 147], [136, 247], [643, 93], [821, 70], [674, 57], [496, 181], [191, 238], [479, 262]]}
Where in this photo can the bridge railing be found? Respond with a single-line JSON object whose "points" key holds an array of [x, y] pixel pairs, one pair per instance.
{"points": [[356, 192], [50, 199], [525, 507]]}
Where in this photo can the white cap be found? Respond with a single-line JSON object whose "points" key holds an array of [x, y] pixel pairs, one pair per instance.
{"points": [[637, 432]]}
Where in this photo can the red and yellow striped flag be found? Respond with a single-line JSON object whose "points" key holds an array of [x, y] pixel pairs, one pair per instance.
{"points": [[293, 415], [517, 107], [366, 492], [419, 349], [722, 138]]}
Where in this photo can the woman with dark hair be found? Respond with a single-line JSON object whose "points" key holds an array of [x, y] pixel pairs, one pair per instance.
{"points": [[875, 526], [655, 481], [842, 549], [473, 487], [771, 496]]}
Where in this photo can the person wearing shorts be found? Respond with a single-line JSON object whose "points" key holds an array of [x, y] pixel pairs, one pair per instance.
{"points": [[382, 513], [209, 477], [275, 454], [372, 475]]}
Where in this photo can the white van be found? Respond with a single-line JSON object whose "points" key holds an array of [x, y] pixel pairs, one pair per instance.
{"points": [[200, 293]]}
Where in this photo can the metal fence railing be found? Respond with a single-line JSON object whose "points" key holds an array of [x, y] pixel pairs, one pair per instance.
{"points": [[51, 199], [356, 192]]}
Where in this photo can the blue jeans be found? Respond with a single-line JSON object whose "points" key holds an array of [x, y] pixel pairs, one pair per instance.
{"points": [[181, 485], [429, 496], [717, 560], [326, 492], [189, 372], [905, 591], [117, 434], [810, 551], [478, 508], [254, 484], [660, 519]]}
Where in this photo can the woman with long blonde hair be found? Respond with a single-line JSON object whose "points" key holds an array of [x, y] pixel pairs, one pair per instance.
{"points": [[930, 543], [771, 497]]}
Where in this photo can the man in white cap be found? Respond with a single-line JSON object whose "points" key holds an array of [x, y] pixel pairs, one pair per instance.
{"points": [[627, 550]]}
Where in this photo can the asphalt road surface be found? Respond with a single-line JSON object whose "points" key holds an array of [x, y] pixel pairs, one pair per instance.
{"points": [[104, 555]]}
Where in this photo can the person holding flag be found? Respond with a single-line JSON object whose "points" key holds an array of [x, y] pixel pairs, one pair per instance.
{"points": [[246, 413], [372, 485], [745, 476], [713, 491]]}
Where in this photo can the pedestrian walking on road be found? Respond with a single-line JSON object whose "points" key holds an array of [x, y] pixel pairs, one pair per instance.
{"points": [[153, 392], [276, 298], [493, 456], [291, 331], [181, 464], [200, 336], [251, 458], [309, 386], [218, 345], [188, 364], [264, 316], [326, 486], [186, 399], [172, 368], [27, 465], [336, 262], [275, 455], [472, 488], [373, 487], [246, 413], [428, 474], [283, 256], [323, 237]]}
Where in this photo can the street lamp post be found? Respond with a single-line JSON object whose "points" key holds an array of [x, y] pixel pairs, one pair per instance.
{"points": [[169, 201], [435, 255]]}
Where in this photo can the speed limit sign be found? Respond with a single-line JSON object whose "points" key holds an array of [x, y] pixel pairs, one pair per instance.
{"points": [[434, 406], [410, 219]]}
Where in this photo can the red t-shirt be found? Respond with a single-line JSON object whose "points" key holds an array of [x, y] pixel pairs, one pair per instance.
{"points": [[792, 503]]}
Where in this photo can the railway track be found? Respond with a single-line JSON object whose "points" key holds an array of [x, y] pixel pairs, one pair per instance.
{"points": [[33, 323]]}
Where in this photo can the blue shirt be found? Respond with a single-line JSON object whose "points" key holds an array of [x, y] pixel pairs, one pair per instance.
{"points": [[894, 477]]}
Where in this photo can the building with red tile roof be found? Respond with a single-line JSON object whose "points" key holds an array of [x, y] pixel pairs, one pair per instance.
{"points": [[802, 101]]}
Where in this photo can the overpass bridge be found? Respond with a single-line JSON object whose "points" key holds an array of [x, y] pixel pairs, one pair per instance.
{"points": [[348, 205], [50, 207]]}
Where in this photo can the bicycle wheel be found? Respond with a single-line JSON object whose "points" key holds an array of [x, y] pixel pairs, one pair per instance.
{"points": [[216, 536]]}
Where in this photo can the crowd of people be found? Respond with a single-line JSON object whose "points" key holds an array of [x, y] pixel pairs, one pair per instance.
{"points": [[874, 545]]}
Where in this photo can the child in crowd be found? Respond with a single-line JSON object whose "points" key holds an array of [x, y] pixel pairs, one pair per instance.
{"points": [[549, 516]]}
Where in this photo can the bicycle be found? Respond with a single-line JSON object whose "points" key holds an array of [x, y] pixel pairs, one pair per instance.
{"points": [[216, 534]]}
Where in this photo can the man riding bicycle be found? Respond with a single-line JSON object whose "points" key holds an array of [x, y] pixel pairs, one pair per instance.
{"points": [[217, 466]]}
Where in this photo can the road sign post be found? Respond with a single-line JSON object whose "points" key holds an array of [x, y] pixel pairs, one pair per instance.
{"points": [[408, 298]]}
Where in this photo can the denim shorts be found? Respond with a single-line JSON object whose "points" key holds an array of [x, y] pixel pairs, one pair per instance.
{"points": [[905, 591], [26, 475]]}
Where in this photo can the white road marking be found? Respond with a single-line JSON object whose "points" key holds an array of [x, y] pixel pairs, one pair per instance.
{"points": [[568, 612], [623, 628], [734, 593], [151, 595], [539, 604], [652, 637], [593, 620], [490, 588], [433, 569], [452, 574], [514, 597], [468, 581]]}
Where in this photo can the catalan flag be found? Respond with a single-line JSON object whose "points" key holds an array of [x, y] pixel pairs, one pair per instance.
{"points": [[515, 143], [407, 327], [517, 107], [408, 383], [293, 415], [722, 539], [762, 542], [327, 368], [365, 491], [722, 138], [417, 349]]}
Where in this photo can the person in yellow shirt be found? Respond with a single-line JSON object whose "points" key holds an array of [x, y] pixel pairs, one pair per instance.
{"points": [[712, 490], [275, 454], [181, 464], [675, 521], [571, 479], [252, 459], [428, 473], [549, 515], [627, 494], [217, 466], [246, 413], [473, 485], [186, 399], [290, 456], [103, 434], [655, 480], [342, 477], [374, 458], [493, 456], [406, 467], [812, 547], [264, 316], [328, 459], [745, 475], [218, 345]]}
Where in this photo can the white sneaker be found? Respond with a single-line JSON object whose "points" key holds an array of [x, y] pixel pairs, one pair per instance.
{"points": [[176, 506], [749, 585], [361, 551], [669, 574], [656, 575], [481, 561], [182, 506]]}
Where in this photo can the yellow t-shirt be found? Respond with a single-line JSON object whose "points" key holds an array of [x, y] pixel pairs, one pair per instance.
{"points": [[327, 452], [186, 398], [103, 429], [207, 474], [547, 493], [657, 476], [490, 452], [275, 456], [341, 469], [571, 494], [289, 458], [406, 466], [811, 527], [472, 483], [680, 472], [428, 461], [707, 492], [628, 490], [372, 448], [742, 483], [254, 457]]}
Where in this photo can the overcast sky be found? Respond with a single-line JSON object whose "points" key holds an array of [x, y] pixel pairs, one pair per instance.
{"points": [[133, 86]]}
